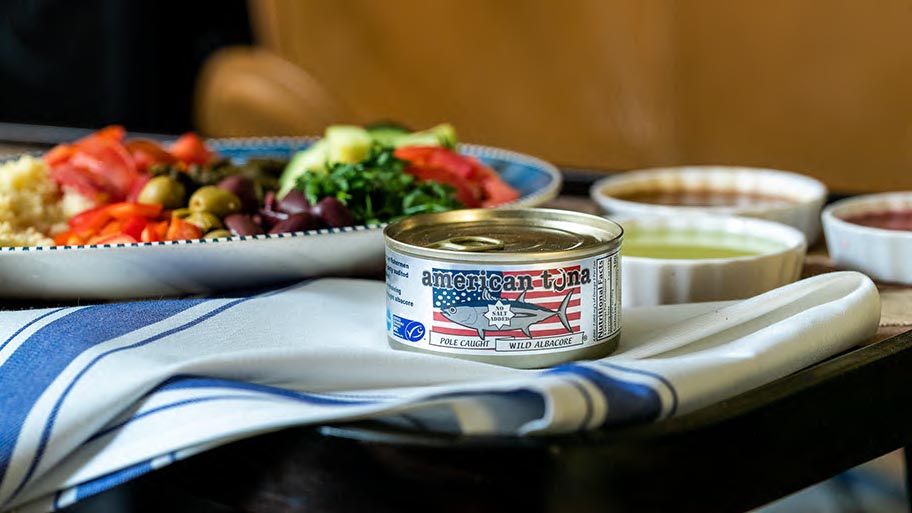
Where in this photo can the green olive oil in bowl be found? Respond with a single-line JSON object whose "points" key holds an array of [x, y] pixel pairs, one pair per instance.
{"points": [[694, 244], [689, 259]]}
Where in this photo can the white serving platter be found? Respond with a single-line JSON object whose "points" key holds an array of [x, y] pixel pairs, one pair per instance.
{"points": [[148, 270]]}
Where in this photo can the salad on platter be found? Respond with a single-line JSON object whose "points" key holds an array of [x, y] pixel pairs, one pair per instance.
{"points": [[107, 188]]}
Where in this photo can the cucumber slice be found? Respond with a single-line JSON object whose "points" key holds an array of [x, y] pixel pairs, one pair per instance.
{"points": [[440, 135], [387, 134]]}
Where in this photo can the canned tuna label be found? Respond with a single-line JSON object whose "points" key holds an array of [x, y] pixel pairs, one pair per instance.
{"points": [[502, 309]]}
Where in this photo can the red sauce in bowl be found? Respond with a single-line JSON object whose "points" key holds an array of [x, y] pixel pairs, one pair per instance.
{"points": [[900, 220]]}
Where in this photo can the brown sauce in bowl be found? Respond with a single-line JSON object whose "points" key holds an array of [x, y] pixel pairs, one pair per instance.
{"points": [[900, 220], [705, 198]]}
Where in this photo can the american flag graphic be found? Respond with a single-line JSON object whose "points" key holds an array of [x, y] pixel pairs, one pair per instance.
{"points": [[538, 295]]}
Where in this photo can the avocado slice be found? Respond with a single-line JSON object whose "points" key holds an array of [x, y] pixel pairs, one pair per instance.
{"points": [[314, 158], [347, 144]]}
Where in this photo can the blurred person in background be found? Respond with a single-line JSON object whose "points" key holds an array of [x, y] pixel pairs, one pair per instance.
{"points": [[95, 62]]}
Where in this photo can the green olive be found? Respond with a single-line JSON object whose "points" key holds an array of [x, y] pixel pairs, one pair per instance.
{"points": [[164, 191], [206, 221], [217, 234], [217, 201], [180, 212]]}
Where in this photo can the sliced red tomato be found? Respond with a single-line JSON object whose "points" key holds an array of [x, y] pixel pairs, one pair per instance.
{"points": [[161, 228], [117, 238], [134, 226], [148, 153], [454, 163], [126, 209], [109, 163], [89, 222], [182, 230], [482, 171], [59, 153], [467, 193], [435, 156], [105, 168], [497, 192], [97, 166], [68, 238], [112, 132], [137, 221], [154, 232], [113, 227], [61, 238], [190, 149], [66, 174], [418, 155], [476, 184], [138, 184]]}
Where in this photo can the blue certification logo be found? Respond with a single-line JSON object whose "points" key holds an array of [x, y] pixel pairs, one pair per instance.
{"points": [[407, 329]]}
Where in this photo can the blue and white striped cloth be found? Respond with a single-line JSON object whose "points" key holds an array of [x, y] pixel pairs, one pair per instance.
{"points": [[93, 396]]}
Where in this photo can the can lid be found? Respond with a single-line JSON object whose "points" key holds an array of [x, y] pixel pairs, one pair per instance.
{"points": [[511, 232]]}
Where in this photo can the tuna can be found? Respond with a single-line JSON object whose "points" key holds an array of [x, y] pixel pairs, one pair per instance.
{"points": [[525, 288]]}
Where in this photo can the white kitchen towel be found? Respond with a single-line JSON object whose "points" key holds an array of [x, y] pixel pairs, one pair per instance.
{"points": [[93, 396]]}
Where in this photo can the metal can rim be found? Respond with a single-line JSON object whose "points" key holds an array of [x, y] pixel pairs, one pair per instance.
{"points": [[613, 231]]}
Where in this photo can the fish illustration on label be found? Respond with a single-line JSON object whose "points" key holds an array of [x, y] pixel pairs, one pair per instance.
{"points": [[497, 314]]}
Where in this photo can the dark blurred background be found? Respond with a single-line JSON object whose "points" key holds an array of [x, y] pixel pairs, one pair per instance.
{"points": [[90, 63]]}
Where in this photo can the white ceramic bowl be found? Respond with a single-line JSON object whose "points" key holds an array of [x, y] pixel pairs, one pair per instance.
{"points": [[649, 281], [806, 194], [885, 255]]}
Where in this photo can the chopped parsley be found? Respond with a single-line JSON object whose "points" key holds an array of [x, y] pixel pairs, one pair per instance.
{"points": [[377, 189]]}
